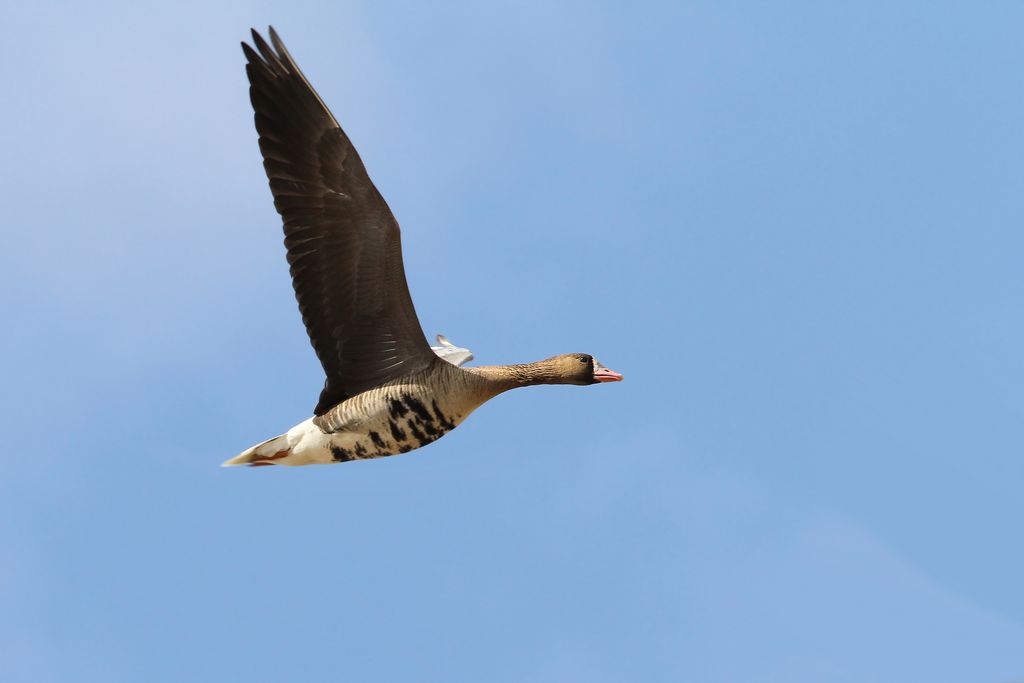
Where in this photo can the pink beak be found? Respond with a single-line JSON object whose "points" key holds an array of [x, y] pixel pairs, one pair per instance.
{"points": [[603, 374]]}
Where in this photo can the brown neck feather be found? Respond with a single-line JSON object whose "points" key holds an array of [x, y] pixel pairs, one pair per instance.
{"points": [[505, 377]]}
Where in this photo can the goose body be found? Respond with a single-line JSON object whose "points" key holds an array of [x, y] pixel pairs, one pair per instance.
{"points": [[397, 417], [387, 391]]}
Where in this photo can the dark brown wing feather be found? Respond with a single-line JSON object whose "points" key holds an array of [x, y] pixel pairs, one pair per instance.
{"points": [[344, 245]]}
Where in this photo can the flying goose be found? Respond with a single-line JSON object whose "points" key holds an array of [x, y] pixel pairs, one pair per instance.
{"points": [[387, 391]]}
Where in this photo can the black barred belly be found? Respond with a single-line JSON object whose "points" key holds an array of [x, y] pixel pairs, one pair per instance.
{"points": [[407, 423]]}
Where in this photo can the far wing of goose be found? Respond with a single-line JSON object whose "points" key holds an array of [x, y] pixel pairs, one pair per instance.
{"points": [[343, 243], [456, 355]]}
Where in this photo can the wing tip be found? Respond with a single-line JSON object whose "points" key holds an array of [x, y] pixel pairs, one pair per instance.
{"points": [[263, 52], [249, 53]]}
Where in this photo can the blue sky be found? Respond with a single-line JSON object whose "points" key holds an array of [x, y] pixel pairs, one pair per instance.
{"points": [[795, 228]]}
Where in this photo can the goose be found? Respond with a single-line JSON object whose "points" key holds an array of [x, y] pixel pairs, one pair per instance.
{"points": [[387, 391]]}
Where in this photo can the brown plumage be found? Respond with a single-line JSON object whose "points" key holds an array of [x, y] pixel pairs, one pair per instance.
{"points": [[386, 391]]}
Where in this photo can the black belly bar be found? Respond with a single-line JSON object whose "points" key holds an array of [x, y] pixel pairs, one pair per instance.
{"points": [[411, 425]]}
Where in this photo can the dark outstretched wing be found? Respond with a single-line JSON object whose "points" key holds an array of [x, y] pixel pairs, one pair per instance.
{"points": [[344, 245]]}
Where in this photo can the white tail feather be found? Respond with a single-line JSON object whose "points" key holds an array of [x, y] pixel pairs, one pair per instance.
{"points": [[265, 451]]}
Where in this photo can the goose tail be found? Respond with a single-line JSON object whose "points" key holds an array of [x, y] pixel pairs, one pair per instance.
{"points": [[265, 453]]}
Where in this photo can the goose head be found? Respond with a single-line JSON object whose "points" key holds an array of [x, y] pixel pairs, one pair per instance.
{"points": [[579, 368]]}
